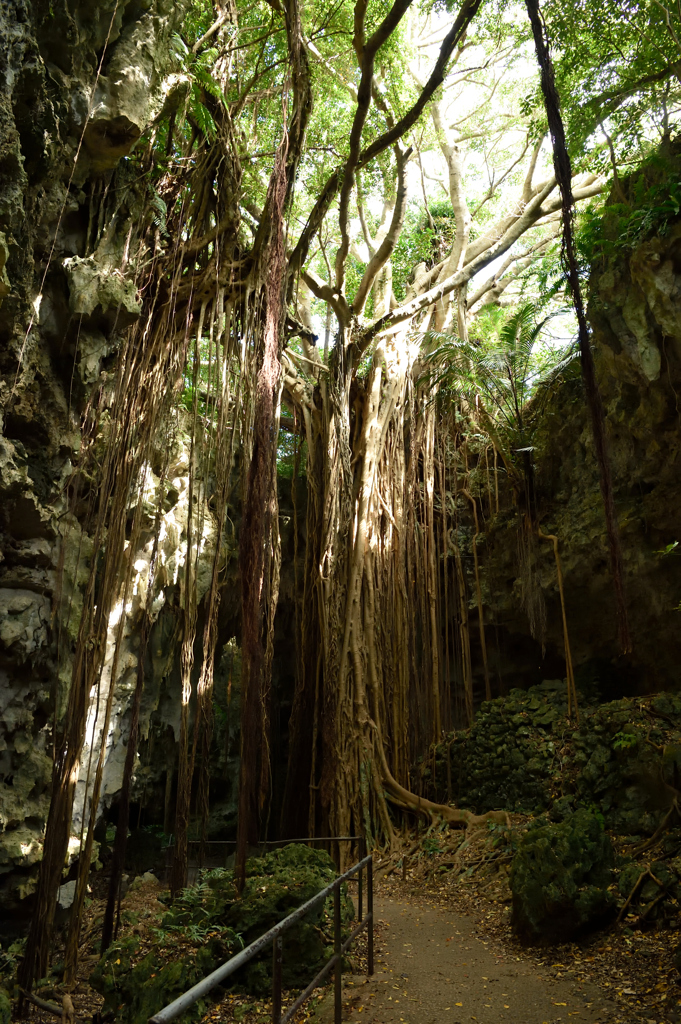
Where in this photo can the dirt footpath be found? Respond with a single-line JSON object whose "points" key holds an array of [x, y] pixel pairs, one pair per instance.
{"points": [[433, 969]]}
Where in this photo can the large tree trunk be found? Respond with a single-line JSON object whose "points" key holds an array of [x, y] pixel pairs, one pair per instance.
{"points": [[258, 556], [376, 625]]}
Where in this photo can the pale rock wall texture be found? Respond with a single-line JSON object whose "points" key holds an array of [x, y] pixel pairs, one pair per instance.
{"points": [[78, 79]]}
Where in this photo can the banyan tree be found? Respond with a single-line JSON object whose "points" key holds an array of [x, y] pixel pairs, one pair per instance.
{"points": [[277, 269]]}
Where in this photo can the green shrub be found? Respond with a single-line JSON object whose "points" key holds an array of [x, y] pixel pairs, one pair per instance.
{"points": [[209, 922]]}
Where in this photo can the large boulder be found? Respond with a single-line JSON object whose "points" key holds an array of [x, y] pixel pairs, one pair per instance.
{"points": [[560, 878]]}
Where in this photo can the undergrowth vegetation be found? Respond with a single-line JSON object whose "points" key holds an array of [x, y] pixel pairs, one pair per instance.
{"points": [[210, 922]]}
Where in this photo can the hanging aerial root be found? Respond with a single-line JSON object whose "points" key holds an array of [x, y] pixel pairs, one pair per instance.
{"points": [[42, 1004], [573, 707], [563, 171], [478, 592]]}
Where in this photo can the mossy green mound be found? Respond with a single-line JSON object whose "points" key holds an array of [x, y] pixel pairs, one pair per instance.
{"points": [[560, 878], [523, 754], [137, 984], [209, 923]]}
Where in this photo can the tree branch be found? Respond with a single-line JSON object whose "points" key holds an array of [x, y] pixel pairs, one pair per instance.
{"points": [[494, 184], [366, 54], [611, 99], [517, 228], [525, 211], [211, 31], [197, 244], [522, 261], [298, 257], [527, 185], [331, 69], [462, 217], [587, 192], [328, 294], [294, 133], [385, 250], [362, 219]]}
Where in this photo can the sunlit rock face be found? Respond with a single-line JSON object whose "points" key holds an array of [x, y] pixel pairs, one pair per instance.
{"points": [[122, 648], [79, 83], [132, 88]]}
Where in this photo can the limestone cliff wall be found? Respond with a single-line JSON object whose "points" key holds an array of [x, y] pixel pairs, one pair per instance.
{"points": [[79, 83], [635, 311]]}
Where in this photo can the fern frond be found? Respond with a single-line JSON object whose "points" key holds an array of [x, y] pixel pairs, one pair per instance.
{"points": [[204, 76], [202, 115]]}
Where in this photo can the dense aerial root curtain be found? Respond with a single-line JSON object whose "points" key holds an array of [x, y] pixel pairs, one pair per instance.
{"points": [[268, 310], [225, 434], [561, 162], [90, 645], [185, 769], [370, 684], [138, 406], [85, 857], [131, 420], [257, 526], [121, 838], [128, 419]]}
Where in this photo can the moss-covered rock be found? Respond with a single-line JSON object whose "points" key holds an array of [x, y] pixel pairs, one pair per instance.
{"points": [[517, 734], [209, 923], [621, 759], [560, 877], [136, 986], [276, 885]]}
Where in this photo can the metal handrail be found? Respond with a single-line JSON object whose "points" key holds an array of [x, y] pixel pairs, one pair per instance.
{"points": [[273, 842], [274, 935], [268, 842]]}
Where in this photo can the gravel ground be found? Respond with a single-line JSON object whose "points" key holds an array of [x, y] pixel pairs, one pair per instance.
{"points": [[436, 968], [632, 971]]}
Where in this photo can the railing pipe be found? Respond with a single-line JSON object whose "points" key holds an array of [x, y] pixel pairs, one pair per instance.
{"points": [[370, 915], [315, 983]]}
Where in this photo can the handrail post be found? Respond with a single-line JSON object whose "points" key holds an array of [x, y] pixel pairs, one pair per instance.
{"points": [[370, 915], [338, 1005], [359, 895], [276, 979]]}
